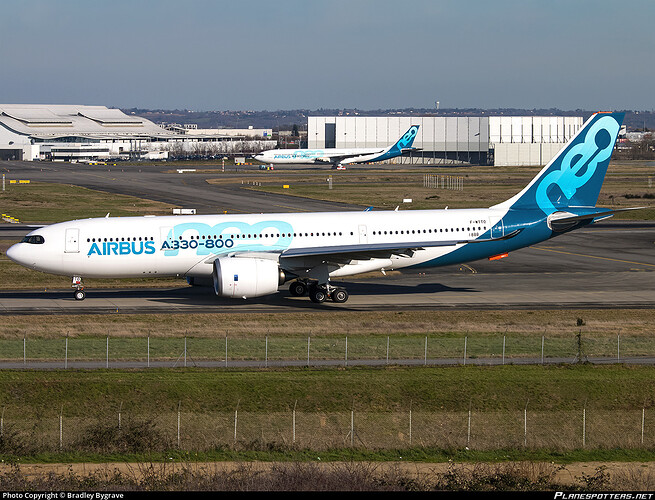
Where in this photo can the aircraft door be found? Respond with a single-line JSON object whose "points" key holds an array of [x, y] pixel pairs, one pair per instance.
{"points": [[363, 236], [497, 228], [72, 240]]}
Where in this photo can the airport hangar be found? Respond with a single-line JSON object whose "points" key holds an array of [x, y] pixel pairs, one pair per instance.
{"points": [[451, 140], [74, 132]]}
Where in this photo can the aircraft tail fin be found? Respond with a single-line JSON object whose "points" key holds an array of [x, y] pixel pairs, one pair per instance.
{"points": [[404, 143], [574, 177]]}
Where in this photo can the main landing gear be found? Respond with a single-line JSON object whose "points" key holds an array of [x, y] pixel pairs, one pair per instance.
{"points": [[79, 292], [318, 293]]}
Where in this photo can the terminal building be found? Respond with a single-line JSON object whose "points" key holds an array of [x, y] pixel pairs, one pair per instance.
{"points": [[445, 140], [75, 133]]}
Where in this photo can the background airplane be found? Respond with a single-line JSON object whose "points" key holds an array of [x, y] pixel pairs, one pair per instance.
{"points": [[340, 157], [252, 255]]}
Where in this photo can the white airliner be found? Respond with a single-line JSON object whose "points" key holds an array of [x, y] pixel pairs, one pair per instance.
{"points": [[340, 157], [252, 255]]}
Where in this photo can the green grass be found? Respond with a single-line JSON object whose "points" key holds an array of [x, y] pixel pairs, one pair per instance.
{"points": [[381, 400], [549, 388], [625, 185], [46, 203], [417, 454]]}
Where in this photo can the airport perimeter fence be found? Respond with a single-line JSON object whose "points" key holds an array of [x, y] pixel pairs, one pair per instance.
{"points": [[193, 429], [375, 350]]}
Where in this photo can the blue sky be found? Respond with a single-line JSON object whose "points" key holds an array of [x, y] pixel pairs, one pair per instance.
{"points": [[366, 54]]}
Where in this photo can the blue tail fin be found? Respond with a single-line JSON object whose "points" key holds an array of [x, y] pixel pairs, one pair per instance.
{"points": [[405, 142], [574, 177]]}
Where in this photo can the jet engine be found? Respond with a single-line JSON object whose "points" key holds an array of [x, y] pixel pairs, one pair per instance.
{"points": [[246, 277]]}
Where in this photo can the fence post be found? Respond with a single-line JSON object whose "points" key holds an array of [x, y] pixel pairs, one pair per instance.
{"points": [[584, 425], [346, 350], [61, 428], [236, 413], [387, 350], [503, 349], [425, 357], [618, 348], [185, 351], [465, 340], [66, 356], [308, 343], [542, 349], [294, 421], [266, 354], [225, 351], [24, 351], [643, 418], [148, 350], [178, 423], [120, 409], [525, 424], [468, 433], [2, 423]]}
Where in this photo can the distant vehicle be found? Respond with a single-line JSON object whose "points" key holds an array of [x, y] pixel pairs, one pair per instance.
{"points": [[251, 255], [340, 157]]}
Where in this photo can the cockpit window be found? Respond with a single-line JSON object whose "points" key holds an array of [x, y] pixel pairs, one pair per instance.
{"points": [[35, 239]]}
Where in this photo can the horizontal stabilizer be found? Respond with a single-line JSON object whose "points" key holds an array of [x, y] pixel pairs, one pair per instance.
{"points": [[564, 221]]}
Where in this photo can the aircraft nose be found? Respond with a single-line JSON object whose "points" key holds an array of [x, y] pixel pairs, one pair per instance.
{"points": [[14, 253]]}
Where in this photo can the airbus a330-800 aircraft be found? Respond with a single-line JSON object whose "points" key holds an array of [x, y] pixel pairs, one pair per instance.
{"points": [[252, 255], [340, 157]]}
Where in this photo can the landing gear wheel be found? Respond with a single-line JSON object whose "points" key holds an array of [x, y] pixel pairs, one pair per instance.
{"points": [[79, 294], [340, 295], [317, 294], [297, 289]]}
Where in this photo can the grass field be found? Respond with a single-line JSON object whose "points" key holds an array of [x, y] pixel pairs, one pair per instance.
{"points": [[626, 184], [45, 203], [290, 413]]}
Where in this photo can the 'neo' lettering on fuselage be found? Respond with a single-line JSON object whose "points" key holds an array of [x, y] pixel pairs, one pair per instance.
{"points": [[123, 248]]}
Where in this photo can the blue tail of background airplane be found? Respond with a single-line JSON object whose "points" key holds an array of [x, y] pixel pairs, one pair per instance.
{"points": [[575, 176], [405, 142]]}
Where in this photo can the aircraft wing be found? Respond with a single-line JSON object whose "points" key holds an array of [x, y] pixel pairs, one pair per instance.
{"points": [[341, 157], [346, 253]]}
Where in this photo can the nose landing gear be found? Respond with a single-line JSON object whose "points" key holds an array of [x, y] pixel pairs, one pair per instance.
{"points": [[79, 292]]}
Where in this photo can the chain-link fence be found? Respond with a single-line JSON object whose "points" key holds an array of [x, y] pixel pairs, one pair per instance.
{"points": [[477, 429], [229, 351]]}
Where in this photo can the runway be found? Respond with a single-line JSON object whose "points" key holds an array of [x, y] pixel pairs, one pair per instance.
{"points": [[608, 265]]}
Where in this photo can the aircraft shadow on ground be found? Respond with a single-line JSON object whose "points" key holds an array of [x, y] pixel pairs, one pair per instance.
{"points": [[204, 297]]}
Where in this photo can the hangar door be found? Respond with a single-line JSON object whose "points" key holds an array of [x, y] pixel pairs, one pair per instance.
{"points": [[330, 135]]}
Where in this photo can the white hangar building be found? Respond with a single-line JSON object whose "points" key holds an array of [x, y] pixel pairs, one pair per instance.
{"points": [[444, 140], [71, 132]]}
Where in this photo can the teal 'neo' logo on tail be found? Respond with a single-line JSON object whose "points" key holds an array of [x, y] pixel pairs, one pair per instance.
{"points": [[575, 176], [405, 142]]}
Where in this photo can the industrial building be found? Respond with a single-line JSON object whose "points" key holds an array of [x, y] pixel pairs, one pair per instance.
{"points": [[75, 133], [445, 140]]}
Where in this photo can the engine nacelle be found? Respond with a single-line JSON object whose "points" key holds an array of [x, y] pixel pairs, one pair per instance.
{"points": [[246, 277]]}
